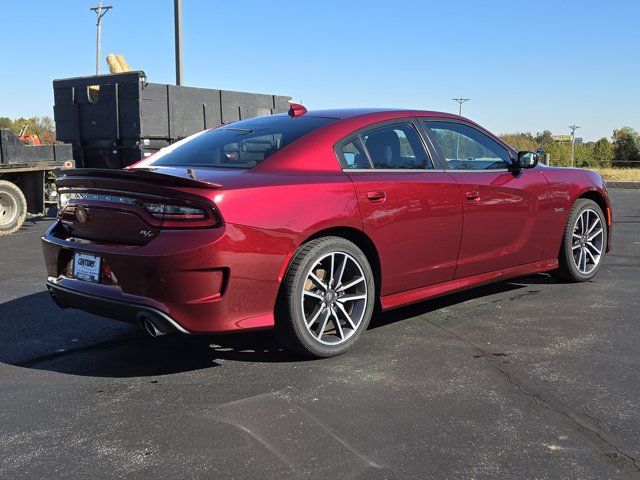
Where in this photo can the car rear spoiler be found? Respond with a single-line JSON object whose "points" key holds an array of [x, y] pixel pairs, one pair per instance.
{"points": [[71, 177]]}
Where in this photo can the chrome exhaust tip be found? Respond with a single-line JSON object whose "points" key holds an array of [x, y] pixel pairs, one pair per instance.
{"points": [[151, 328]]}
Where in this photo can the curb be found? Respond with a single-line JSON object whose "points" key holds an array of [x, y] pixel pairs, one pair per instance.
{"points": [[623, 184]]}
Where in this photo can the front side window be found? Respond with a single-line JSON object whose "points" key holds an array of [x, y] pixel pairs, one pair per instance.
{"points": [[241, 144], [396, 146], [465, 148]]}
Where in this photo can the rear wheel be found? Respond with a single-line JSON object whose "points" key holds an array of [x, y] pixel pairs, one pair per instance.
{"points": [[327, 298], [13, 208], [584, 242]]}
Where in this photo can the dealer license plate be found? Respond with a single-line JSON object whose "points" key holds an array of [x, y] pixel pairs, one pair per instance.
{"points": [[86, 267]]}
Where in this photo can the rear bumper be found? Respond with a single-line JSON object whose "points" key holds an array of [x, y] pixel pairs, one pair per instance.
{"points": [[110, 308], [200, 281]]}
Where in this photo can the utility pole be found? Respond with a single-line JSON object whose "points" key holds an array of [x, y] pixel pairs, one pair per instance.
{"points": [[573, 129], [177, 17], [460, 101], [100, 12]]}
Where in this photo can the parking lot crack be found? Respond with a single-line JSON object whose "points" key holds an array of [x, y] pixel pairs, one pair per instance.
{"points": [[591, 432]]}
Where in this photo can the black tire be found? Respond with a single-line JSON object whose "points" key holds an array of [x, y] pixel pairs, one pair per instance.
{"points": [[291, 328], [13, 208], [567, 268]]}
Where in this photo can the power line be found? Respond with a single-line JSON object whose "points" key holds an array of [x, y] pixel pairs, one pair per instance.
{"points": [[461, 101], [573, 129], [100, 12]]}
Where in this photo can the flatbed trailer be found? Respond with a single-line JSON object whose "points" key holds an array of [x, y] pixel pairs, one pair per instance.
{"points": [[26, 179]]}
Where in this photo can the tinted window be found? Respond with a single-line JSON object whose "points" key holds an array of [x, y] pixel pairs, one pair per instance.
{"points": [[239, 145], [396, 146], [466, 148], [353, 154]]}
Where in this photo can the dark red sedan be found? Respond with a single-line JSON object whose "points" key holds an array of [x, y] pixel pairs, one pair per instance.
{"points": [[307, 222]]}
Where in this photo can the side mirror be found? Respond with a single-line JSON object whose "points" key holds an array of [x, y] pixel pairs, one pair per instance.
{"points": [[527, 160]]}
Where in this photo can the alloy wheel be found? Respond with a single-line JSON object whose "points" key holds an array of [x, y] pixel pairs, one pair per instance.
{"points": [[334, 298], [587, 241]]}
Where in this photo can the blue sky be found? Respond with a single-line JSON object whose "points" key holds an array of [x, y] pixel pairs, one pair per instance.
{"points": [[526, 65]]}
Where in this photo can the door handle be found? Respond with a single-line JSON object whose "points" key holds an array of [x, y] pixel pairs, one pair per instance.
{"points": [[473, 197], [377, 196]]}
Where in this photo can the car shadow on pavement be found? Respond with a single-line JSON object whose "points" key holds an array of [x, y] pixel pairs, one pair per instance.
{"points": [[38, 335]]}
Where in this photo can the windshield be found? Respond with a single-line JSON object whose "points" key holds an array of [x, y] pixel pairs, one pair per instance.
{"points": [[241, 144]]}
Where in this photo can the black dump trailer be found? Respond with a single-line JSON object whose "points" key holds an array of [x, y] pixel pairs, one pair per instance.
{"points": [[26, 180], [113, 121]]}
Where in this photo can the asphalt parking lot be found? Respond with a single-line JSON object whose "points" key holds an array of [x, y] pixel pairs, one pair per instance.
{"points": [[529, 378]]}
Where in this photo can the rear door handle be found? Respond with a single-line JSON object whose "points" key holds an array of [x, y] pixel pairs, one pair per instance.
{"points": [[473, 196], [377, 196]]}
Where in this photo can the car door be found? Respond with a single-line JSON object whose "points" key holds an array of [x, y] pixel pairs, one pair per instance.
{"points": [[412, 212], [504, 210]]}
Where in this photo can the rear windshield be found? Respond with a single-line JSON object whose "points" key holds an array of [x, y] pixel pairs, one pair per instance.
{"points": [[241, 144]]}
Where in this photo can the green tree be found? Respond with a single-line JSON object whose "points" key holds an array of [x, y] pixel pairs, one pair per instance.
{"points": [[626, 147], [603, 153], [522, 141], [542, 138]]}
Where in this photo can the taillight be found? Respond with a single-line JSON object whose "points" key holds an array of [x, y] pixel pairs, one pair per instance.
{"points": [[180, 214], [173, 215]]}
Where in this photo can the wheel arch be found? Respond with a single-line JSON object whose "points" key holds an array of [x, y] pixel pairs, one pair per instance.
{"points": [[602, 202], [357, 237]]}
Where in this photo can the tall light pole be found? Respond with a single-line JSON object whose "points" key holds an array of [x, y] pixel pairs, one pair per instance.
{"points": [[177, 18], [100, 12], [573, 139], [460, 101]]}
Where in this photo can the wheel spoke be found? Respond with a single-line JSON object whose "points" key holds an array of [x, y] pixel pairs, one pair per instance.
{"points": [[324, 324], [598, 251], [595, 234], [313, 294], [336, 321], [338, 279], [314, 278], [346, 315], [591, 255], [333, 261], [579, 262], [576, 246], [584, 260], [350, 298], [350, 284], [317, 313]]}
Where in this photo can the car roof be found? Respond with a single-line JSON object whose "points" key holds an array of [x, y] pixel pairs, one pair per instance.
{"points": [[344, 113]]}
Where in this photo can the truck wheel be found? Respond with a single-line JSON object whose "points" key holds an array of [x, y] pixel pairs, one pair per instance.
{"points": [[13, 208]]}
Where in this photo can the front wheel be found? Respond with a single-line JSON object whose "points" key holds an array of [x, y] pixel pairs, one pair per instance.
{"points": [[584, 242], [327, 298]]}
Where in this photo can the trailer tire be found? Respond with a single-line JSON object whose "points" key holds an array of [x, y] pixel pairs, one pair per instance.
{"points": [[13, 208]]}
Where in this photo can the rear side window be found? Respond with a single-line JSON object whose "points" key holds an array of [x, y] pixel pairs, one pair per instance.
{"points": [[396, 147], [241, 144], [354, 154]]}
